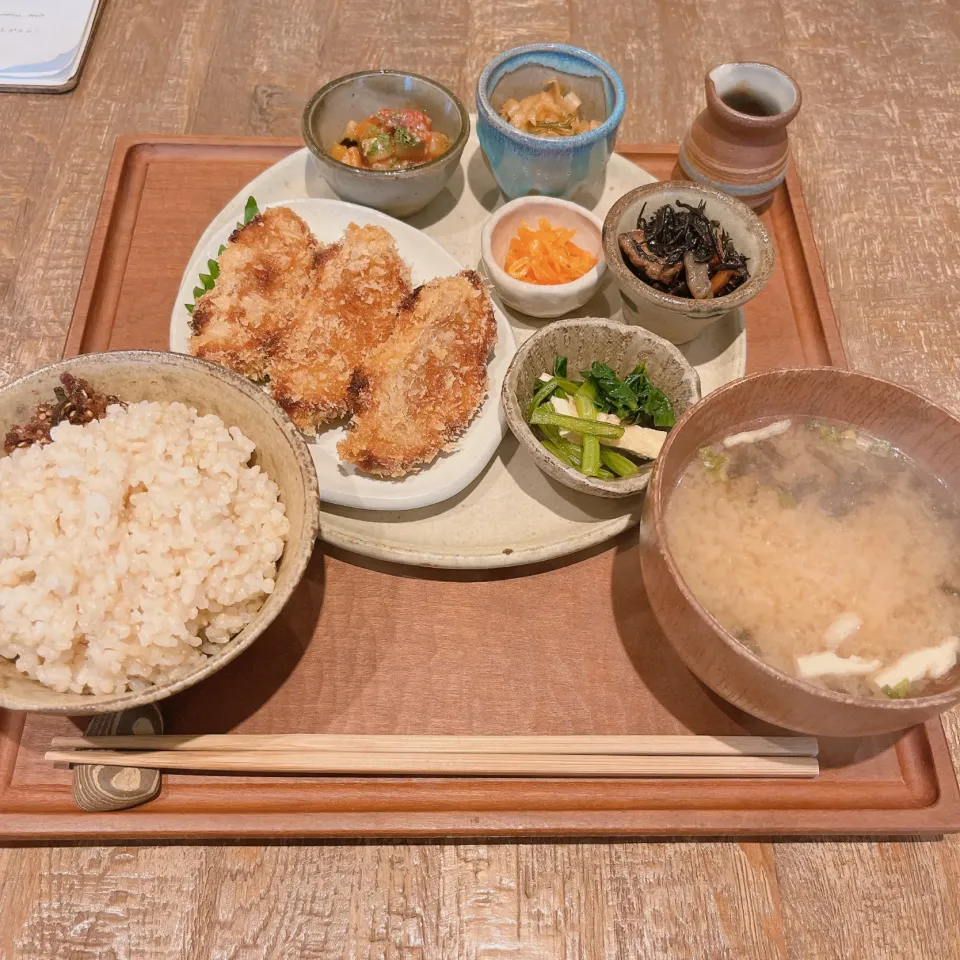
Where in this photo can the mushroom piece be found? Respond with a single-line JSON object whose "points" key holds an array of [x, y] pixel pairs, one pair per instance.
{"points": [[640, 258], [698, 277]]}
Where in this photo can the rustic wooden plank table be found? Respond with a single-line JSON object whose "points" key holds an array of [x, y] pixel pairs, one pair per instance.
{"points": [[879, 155]]}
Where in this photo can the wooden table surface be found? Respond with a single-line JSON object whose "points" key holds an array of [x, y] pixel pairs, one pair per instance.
{"points": [[877, 147]]}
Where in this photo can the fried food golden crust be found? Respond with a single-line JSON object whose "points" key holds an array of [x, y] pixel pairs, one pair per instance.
{"points": [[418, 391], [352, 309], [266, 271]]}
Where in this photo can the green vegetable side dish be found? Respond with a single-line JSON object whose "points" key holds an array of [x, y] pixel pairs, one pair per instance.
{"points": [[585, 442], [208, 279]]}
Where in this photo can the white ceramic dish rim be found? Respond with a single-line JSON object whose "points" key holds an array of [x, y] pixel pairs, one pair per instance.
{"points": [[476, 446], [294, 175], [520, 289]]}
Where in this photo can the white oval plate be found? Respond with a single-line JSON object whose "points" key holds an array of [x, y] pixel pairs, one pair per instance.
{"points": [[340, 482], [512, 513]]}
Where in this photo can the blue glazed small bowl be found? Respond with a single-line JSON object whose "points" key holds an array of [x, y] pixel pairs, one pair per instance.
{"points": [[552, 166]]}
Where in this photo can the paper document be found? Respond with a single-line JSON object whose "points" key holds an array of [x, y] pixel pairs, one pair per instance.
{"points": [[42, 41]]}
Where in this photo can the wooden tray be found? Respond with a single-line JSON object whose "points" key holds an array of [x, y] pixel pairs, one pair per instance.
{"points": [[367, 647]]}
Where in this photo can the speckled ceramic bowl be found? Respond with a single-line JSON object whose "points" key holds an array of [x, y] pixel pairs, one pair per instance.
{"points": [[542, 300], [679, 319], [554, 166], [582, 341], [281, 452], [400, 193]]}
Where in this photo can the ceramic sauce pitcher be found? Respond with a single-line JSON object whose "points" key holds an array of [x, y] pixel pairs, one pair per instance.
{"points": [[739, 143]]}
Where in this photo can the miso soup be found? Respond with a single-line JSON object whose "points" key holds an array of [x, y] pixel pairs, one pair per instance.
{"points": [[826, 552]]}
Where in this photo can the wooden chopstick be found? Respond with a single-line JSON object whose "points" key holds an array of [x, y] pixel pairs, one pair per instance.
{"points": [[640, 746], [450, 763]]}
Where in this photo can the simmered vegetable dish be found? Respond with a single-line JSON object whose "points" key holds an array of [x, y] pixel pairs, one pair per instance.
{"points": [[390, 140]]}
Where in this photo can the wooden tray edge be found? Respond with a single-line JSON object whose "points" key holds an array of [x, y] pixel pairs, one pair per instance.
{"points": [[940, 817], [566, 825]]}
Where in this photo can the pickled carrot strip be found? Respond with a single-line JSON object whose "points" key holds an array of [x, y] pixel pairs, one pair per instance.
{"points": [[546, 255]]}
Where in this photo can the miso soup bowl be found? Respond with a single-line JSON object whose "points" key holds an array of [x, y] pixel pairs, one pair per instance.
{"points": [[922, 430]]}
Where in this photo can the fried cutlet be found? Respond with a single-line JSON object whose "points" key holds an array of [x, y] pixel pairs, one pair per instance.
{"points": [[266, 272], [417, 392], [361, 282]]}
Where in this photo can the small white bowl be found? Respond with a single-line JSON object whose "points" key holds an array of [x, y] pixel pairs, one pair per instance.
{"points": [[536, 300]]}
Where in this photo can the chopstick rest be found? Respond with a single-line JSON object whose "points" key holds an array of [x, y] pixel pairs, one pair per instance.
{"points": [[98, 788]]}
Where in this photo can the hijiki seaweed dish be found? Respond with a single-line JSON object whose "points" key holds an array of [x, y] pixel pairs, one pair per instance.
{"points": [[683, 253]]}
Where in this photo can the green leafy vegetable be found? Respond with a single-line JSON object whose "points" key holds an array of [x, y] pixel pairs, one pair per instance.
{"points": [[567, 452], [406, 138], [614, 395], [560, 453], [713, 463], [569, 387], [543, 415], [209, 279], [544, 391], [655, 403], [378, 147], [250, 210], [574, 458], [551, 433], [899, 691], [585, 400], [560, 367], [634, 399], [622, 466]]}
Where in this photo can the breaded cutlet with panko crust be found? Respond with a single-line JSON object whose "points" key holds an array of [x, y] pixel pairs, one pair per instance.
{"points": [[418, 391], [266, 271], [352, 309]]}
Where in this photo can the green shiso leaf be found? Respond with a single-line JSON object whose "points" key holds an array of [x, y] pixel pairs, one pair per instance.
{"points": [[209, 279]]}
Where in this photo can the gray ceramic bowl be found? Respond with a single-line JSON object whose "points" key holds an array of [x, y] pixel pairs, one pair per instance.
{"points": [[399, 193], [679, 319], [281, 452], [582, 341]]}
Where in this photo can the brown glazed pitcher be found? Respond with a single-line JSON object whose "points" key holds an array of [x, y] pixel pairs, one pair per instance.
{"points": [[739, 143]]}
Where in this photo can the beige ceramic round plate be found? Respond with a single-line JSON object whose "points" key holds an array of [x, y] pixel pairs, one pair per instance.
{"points": [[512, 513]]}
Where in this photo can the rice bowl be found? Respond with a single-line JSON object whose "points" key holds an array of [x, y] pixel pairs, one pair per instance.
{"points": [[142, 552], [133, 546]]}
